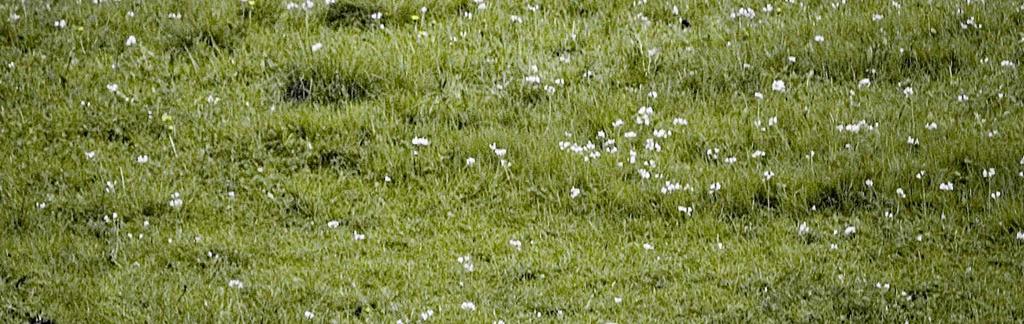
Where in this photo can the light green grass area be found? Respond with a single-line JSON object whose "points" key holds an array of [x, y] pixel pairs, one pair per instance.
{"points": [[260, 161]]}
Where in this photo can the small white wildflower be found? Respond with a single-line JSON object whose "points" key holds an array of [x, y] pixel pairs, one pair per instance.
{"points": [[309, 315], [142, 159], [131, 41], [516, 19], [176, 201], [758, 95], [680, 122], [60, 24], [988, 173], [426, 314], [516, 244], [235, 283], [768, 175], [358, 236], [758, 154], [333, 224], [317, 47], [532, 79], [864, 83], [850, 230], [420, 141], [908, 91], [648, 246], [1020, 236], [779, 86], [946, 186], [819, 38], [112, 87], [996, 195], [913, 141], [900, 193], [803, 229], [90, 155], [714, 187], [962, 98], [468, 306], [574, 192], [470, 161], [877, 17], [688, 210]]}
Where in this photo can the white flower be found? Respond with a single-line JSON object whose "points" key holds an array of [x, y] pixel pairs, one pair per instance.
{"points": [[142, 159], [648, 246], [912, 141], [41, 205], [779, 86], [499, 152], [333, 224], [14, 17], [688, 210], [468, 306], [518, 245], [850, 230], [946, 186], [819, 38], [574, 192], [317, 47], [931, 126], [877, 17], [758, 95], [235, 283], [420, 141], [803, 229], [358, 236], [90, 154], [1020, 236], [467, 263], [988, 173], [758, 154], [869, 183], [532, 79], [680, 122], [131, 41], [112, 87], [962, 98], [1007, 64], [618, 123], [617, 300], [176, 201], [864, 83], [714, 187], [768, 175], [908, 91], [470, 161], [60, 24], [996, 195], [426, 314], [309, 315], [376, 15], [516, 19], [900, 193]]}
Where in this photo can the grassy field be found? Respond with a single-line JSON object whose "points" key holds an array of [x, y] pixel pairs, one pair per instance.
{"points": [[501, 161]]}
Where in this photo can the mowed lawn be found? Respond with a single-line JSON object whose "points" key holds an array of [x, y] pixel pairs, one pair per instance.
{"points": [[491, 161]]}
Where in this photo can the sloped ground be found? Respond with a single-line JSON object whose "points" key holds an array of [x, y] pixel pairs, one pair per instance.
{"points": [[485, 161]]}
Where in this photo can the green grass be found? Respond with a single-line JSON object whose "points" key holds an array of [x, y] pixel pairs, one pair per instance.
{"points": [[267, 141]]}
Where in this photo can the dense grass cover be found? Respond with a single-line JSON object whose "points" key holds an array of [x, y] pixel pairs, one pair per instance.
{"points": [[488, 161]]}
